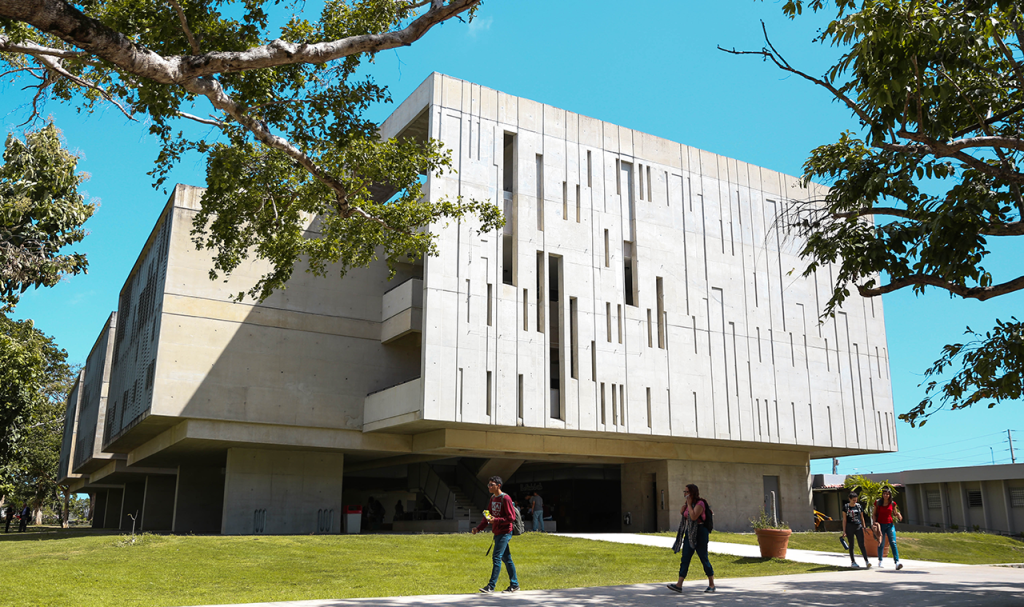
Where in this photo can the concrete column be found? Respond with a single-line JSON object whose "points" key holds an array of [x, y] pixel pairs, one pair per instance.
{"points": [[944, 499], [198, 499], [131, 506], [984, 507], [112, 511], [99, 508], [282, 492], [962, 489], [922, 505], [1006, 504], [158, 503]]}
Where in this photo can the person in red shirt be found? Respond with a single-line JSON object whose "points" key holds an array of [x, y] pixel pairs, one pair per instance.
{"points": [[500, 516], [886, 515]]}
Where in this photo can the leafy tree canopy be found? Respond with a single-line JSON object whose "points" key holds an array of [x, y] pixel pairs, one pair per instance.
{"points": [[279, 110], [34, 382], [41, 212], [938, 87]]}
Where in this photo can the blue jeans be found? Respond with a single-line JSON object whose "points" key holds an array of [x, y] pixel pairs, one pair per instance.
{"points": [[538, 521], [701, 550], [888, 531], [502, 554]]}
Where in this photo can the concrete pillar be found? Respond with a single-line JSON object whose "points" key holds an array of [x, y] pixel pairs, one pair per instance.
{"points": [[282, 492], [158, 503], [962, 490], [198, 499], [1009, 509], [944, 498], [99, 508], [984, 507], [131, 506], [112, 511]]}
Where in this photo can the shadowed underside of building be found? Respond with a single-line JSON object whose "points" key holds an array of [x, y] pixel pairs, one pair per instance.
{"points": [[634, 327]]}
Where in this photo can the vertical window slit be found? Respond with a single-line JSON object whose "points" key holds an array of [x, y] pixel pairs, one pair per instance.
{"points": [[490, 304], [660, 288], [540, 192], [649, 408], [488, 393]]}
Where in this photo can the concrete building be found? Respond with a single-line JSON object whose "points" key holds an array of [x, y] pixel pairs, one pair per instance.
{"points": [[634, 327], [967, 498]]}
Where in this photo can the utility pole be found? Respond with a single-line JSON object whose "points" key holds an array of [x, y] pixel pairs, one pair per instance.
{"points": [[1009, 439]]}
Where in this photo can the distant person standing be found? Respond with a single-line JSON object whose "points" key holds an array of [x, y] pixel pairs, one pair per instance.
{"points": [[886, 517], [10, 517], [853, 527], [537, 504], [25, 513], [500, 515]]}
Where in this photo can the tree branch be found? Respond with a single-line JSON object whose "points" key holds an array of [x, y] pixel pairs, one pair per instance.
{"points": [[209, 121], [184, 26], [979, 293], [54, 65], [60, 19]]}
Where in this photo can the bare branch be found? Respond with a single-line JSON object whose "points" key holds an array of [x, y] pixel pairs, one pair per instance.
{"points": [[184, 26], [209, 121], [979, 293], [1009, 57], [55, 65], [30, 48]]}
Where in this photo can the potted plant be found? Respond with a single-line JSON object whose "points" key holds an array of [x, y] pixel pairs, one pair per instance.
{"points": [[869, 492], [772, 535]]}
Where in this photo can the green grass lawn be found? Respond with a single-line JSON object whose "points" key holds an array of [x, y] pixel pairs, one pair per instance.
{"points": [[83, 569], [966, 548]]}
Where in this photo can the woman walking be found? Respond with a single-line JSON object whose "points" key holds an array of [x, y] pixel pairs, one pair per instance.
{"points": [[695, 538], [853, 526], [886, 516]]}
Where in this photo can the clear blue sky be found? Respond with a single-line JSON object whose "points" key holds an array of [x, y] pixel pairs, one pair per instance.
{"points": [[651, 65]]}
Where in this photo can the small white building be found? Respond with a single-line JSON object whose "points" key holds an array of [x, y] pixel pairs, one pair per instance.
{"points": [[637, 325]]}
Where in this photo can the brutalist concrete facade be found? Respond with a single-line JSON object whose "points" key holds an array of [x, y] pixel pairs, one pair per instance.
{"points": [[637, 311]]}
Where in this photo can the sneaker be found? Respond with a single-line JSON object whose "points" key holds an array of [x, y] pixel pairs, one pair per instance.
{"points": [[854, 565], [867, 563], [511, 589], [880, 564], [674, 587], [899, 565], [709, 589], [487, 590]]}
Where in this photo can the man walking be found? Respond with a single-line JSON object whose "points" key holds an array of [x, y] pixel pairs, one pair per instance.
{"points": [[500, 515], [10, 517], [537, 503], [25, 513]]}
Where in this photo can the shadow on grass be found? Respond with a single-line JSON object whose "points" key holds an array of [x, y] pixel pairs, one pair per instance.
{"points": [[798, 591], [37, 534]]}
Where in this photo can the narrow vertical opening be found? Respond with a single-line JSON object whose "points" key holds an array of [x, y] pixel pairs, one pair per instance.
{"points": [[660, 287], [573, 340], [607, 251], [468, 299], [649, 408], [490, 304], [519, 398], [555, 340], [488, 393], [565, 201], [667, 195], [650, 190], [618, 176], [577, 203], [526, 310], [540, 192], [508, 235], [650, 330], [604, 420], [462, 393], [640, 168], [593, 360], [590, 170], [627, 271], [615, 406], [608, 316], [622, 403], [619, 318], [541, 304]]}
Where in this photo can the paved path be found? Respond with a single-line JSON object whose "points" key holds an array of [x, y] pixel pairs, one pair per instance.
{"points": [[919, 584], [838, 559]]}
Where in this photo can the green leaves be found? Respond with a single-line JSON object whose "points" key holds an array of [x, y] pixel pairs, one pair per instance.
{"points": [[41, 212]]}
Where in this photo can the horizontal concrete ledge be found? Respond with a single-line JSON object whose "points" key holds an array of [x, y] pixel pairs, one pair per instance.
{"points": [[117, 471]]}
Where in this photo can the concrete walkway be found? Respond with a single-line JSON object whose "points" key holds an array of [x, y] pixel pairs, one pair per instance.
{"points": [[919, 584], [837, 559]]}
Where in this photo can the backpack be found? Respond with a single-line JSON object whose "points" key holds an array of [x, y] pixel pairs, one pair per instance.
{"points": [[709, 516], [518, 526]]}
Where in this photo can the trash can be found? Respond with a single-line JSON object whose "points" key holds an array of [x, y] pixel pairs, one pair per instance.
{"points": [[353, 518]]}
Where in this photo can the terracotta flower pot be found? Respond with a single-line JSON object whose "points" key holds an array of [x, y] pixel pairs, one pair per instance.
{"points": [[773, 542], [871, 544]]}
